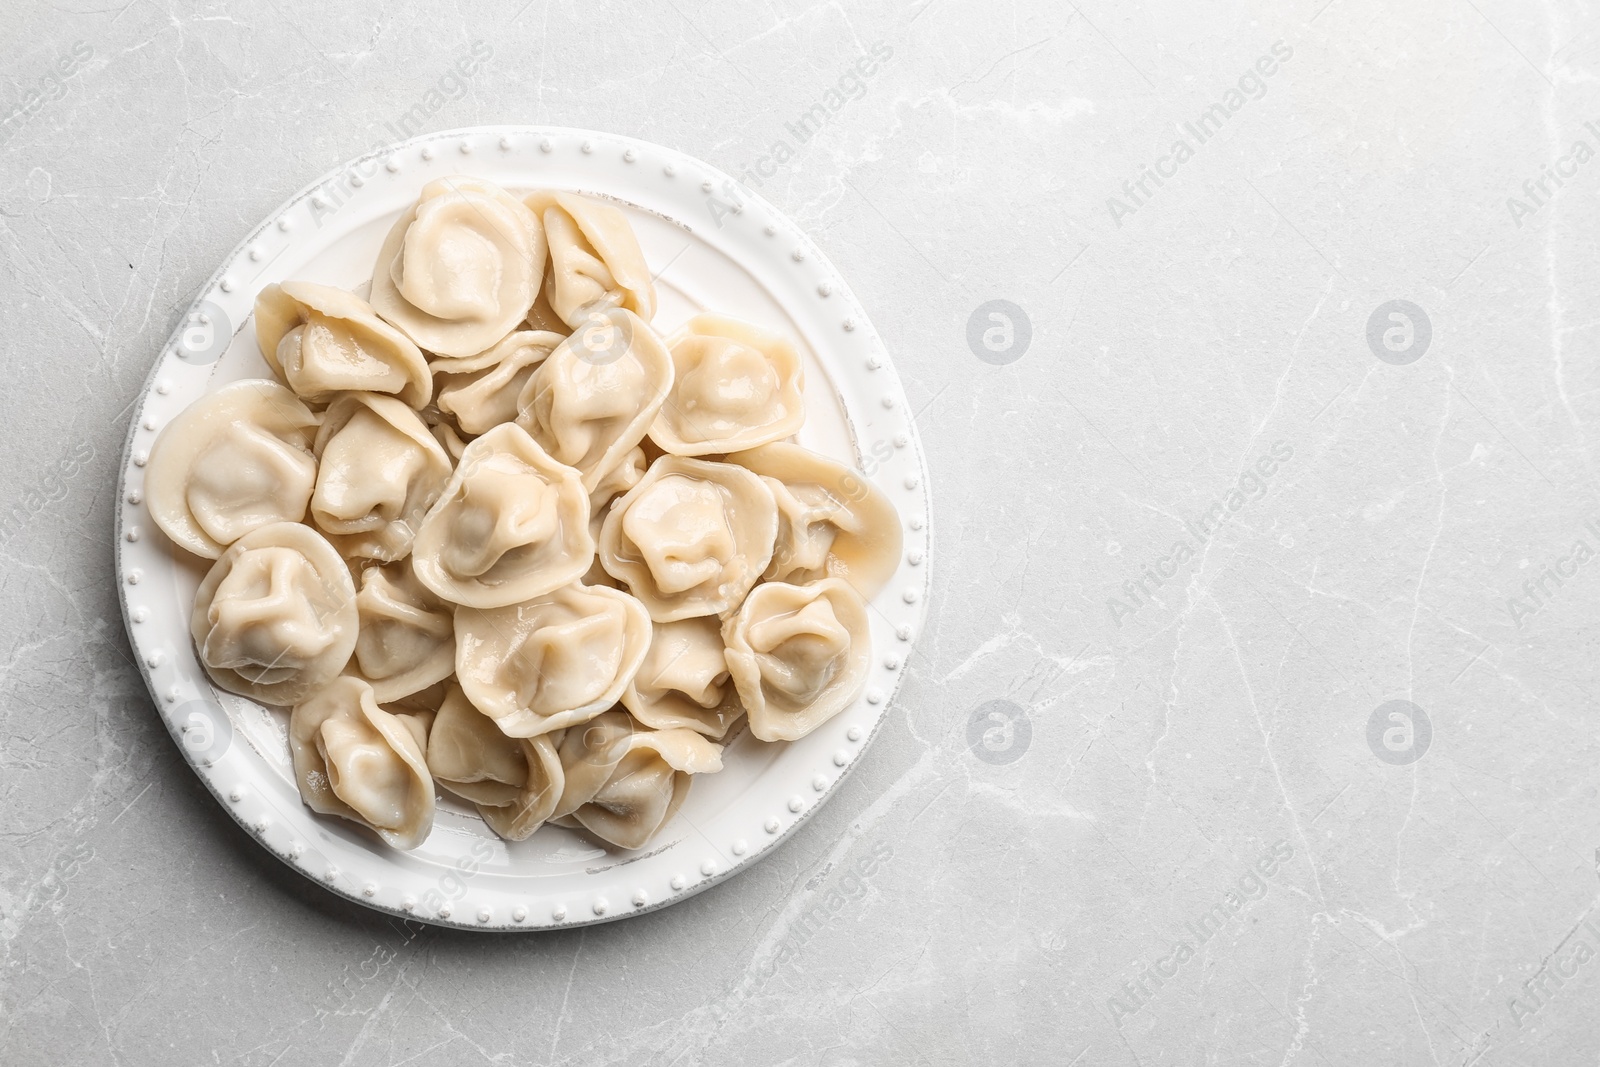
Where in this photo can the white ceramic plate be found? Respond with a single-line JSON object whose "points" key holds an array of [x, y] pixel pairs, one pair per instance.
{"points": [[715, 247]]}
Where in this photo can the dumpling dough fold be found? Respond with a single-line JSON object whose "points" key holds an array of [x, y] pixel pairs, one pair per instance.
{"points": [[481, 391], [511, 524], [323, 340], [514, 781], [379, 472], [691, 538], [684, 680], [832, 521], [232, 462], [554, 661], [734, 387], [798, 654], [624, 783], [461, 268], [595, 260], [355, 760], [590, 403], [275, 618], [408, 635]]}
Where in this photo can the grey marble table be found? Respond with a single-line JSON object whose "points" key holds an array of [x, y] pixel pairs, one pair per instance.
{"points": [[1253, 346]]}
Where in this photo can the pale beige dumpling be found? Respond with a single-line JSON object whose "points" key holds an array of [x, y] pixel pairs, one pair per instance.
{"points": [[234, 461], [408, 635], [481, 391], [543, 317], [590, 403], [619, 480], [684, 680], [355, 760], [512, 524], [798, 654], [323, 340], [623, 783], [379, 471], [595, 260], [514, 781], [449, 440], [461, 268], [553, 661], [691, 538], [275, 618], [832, 521], [735, 386]]}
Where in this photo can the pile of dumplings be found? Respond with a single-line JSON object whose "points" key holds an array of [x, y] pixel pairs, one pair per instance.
{"points": [[488, 531]]}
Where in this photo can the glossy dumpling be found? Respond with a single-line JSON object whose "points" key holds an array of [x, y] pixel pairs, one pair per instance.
{"points": [[595, 260], [552, 661], [691, 538], [379, 471], [798, 655], [481, 391], [408, 635], [684, 680], [461, 268], [449, 440], [734, 387], [831, 520], [512, 524], [356, 760], [590, 403], [543, 317], [323, 340], [623, 783], [232, 462], [514, 781], [275, 618], [619, 480]]}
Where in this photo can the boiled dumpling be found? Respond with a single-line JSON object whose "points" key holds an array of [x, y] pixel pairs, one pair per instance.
{"points": [[232, 462], [684, 680], [553, 661], [514, 781], [275, 618], [543, 317], [624, 476], [323, 340], [590, 403], [691, 538], [798, 655], [595, 260], [380, 471], [461, 268], [734, 387], [407, 641], [511, 524], [449, 440], [481, 391], [355, 760], [831, 520], [623, 783]]}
